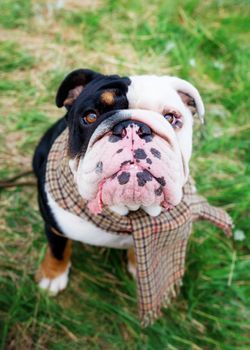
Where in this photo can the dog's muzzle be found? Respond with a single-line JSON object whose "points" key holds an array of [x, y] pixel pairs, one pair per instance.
{"points": [[131, 163]]}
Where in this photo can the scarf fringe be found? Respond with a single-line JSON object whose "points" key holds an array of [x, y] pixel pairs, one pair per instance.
{"points": [[151, 316]]}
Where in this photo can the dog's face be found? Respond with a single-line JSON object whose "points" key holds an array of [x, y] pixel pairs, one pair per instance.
{"points": [[130, 139]]}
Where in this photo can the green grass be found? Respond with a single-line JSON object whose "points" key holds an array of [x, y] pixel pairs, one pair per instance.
{"points": [[206, 42], [15, 14]]}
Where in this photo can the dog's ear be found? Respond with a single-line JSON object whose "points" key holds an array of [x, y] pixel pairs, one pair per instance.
{"points": [[72, 86], [189, 95]]}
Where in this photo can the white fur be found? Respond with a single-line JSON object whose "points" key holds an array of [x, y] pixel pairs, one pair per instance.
{"points": [[84, 231], [153, 210], [161, 93], [55, 285], [119, 209], [155, 92], [184, 86]]}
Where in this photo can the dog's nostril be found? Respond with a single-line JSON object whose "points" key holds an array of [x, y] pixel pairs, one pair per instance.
{"points": [[124, 133], [144, 130], [119, 130]]}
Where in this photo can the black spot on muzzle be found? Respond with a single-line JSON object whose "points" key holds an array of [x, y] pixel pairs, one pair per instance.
{"points": [[143, 177], [140, 154], [123, 178], [156, 153]]}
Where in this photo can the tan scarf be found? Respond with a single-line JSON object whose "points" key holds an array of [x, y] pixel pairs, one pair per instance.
{"points": [[160, 242]]}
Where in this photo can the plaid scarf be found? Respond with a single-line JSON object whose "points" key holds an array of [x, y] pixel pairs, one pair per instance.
{"points": [[160, 242]]}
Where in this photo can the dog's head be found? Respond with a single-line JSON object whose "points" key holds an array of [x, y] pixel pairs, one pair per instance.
{"points": [[130, 139]]}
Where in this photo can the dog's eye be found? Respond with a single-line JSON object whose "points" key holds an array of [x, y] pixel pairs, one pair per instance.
{"points": [[173, 120], [89, 117]]}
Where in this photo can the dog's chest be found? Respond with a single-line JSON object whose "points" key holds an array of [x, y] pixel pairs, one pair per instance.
{"points": [[78, 229]]}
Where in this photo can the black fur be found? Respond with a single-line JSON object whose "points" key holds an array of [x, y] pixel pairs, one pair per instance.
{"points": [[57, 243], [76, 78], [89, 99]]}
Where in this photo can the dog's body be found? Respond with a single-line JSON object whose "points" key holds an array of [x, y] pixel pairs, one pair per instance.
{"points": [[129, 144]]}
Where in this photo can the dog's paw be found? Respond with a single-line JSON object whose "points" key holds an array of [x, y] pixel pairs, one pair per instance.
{"points": [[55, 285]]}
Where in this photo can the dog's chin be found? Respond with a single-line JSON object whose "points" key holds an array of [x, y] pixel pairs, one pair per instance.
{"points": [[131, 185], [132, 188]]}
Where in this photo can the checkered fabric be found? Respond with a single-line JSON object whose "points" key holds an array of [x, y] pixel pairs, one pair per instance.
{"points": [[160, 242]]}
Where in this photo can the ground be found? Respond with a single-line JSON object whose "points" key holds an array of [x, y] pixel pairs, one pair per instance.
{"points": [[206, 42]]}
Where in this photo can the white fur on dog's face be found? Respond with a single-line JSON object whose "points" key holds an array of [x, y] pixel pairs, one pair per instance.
{"points": [[158, 96]]}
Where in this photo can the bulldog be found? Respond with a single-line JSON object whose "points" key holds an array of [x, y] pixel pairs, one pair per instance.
{"points": [[127, 145]]}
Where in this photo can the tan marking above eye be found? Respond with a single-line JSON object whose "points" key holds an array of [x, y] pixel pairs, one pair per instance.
{"points": [[108, 97]]}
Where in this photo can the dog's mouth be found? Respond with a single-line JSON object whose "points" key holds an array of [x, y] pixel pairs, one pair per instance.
{"points": [[131, 172], [130, 188]]}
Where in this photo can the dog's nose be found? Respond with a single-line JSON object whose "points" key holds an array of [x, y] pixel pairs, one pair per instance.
{"points": [[120, 128]]}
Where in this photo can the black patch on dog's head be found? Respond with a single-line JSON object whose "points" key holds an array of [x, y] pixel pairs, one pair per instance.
{"points": [[84, 91]]}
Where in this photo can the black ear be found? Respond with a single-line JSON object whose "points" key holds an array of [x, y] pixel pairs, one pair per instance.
{"points": [[72, 86]]}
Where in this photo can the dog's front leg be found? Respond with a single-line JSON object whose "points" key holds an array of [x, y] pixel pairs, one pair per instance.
{"points": [[53, 271], [132, 262]]}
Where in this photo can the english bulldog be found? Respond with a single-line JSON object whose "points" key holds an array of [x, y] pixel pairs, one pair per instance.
{"points": [[129, 145]]}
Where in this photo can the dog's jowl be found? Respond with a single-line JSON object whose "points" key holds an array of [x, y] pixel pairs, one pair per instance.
{"points": [[115, 171]]}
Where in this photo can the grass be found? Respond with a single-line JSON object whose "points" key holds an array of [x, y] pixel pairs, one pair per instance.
{"points": [[205, 42]]}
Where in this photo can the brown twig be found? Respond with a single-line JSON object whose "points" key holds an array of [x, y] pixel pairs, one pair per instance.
{"points": [[12, 181], [15, 184]]}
